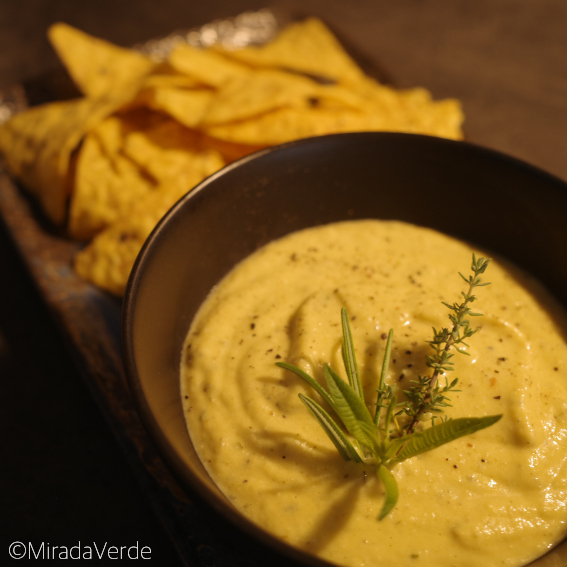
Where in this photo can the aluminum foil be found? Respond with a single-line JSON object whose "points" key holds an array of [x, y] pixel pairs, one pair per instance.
{"points": [[12, 99], [248, 28]]}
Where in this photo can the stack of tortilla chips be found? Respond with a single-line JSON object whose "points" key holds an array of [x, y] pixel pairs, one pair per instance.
{"points": [[110, 164]]}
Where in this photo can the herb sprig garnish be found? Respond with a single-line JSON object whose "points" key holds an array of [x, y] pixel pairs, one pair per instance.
{"points": [[381, 440]]}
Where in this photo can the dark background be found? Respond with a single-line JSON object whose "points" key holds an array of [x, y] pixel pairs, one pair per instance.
{"points": [[63, 477]]}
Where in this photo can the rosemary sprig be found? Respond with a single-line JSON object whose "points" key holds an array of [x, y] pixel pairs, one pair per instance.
{"points": [[380, 440]]}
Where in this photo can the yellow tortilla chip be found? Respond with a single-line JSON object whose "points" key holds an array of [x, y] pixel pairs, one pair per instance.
{"points": [[257, 93], [172, 81], [414, 110], [442, 118], [204, 65], [105, 188], [97, 67], [266, 90], [112, 131], [164, 75], [287, 124], [308, 47], [38, 144], [171, 152], [108, 260], [186, 106], [338, 96]]}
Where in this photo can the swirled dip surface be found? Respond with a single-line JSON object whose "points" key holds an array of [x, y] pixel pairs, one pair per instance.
{"points": [[495, 498]]}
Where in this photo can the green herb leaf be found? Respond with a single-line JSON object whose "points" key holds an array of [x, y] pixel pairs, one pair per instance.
{"points": [[311, 381], [339, 439], [437, 435], [351, 409], [349, 357], [391, 491], [381, 386]]}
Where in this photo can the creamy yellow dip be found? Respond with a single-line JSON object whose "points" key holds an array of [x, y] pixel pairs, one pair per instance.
{"points": [[494, 498]]}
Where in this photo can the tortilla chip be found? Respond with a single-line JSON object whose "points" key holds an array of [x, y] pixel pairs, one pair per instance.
{"points": [[108, 260], [105, 188], [257, 93], [204, 65], [443, 118], [307, 47], [287, 124], [171, 153], [97, 67], [266, 90], [414, 110], [38, 144], [186, 106], [113, 130], [171, 81], [383, 110], [179, 159]]}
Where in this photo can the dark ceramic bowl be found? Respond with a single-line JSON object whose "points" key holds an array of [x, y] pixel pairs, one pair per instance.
{"points": [[493, 201]]}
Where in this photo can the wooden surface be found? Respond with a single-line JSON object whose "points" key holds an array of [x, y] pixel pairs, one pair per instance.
{"points": [[70, 472]]}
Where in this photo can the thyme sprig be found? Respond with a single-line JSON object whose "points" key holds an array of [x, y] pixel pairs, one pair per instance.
{"points": [[426, 396], [380, 440]]}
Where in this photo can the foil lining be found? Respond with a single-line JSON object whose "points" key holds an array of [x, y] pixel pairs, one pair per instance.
{"points": [[248, 28], [12, 100]]}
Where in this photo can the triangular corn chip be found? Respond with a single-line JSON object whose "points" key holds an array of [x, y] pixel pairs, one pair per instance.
{"points": [[38, 144], [106, 186], [308, 47], [97, 67], [187, 106], [205, 65], [109, 258]]}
